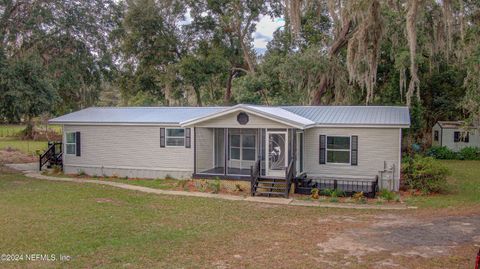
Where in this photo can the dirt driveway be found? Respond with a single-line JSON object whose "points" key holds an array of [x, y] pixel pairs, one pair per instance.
{"points": [[391, 240]]}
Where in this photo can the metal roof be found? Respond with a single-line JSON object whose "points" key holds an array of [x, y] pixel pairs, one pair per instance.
{"points": [[353, 115], [138, 115], [305, 116], [455, 124]]}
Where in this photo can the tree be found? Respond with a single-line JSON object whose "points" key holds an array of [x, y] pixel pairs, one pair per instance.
{"points": [[25, 91]]}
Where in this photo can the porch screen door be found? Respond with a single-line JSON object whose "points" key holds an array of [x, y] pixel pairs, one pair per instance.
{"points": [[277, 150]]}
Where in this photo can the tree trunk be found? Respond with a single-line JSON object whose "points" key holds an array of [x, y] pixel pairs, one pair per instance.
{"points": [[228, 91], [339, 43], [246, 57]]}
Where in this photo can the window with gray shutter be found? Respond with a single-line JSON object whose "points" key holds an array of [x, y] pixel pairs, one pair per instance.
{"points": [[322, 149], [162, 137], [354, 152]]}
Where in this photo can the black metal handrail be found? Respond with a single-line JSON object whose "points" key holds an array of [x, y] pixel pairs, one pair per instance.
{"points": [[289, 175], [51, 154], [254, 175]]}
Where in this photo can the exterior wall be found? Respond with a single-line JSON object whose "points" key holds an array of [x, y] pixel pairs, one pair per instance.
{"points": [[230, 121], [204, 149], [132, 151], [448, 139], [375, 147], [437, 128]]}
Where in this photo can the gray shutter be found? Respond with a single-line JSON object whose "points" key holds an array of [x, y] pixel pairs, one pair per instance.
{"points": [[188, 143], [354, 151], [323, 144], [78, 144], [162, 137]]}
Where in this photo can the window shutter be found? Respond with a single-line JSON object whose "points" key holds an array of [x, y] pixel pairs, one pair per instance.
{"points": [[456, 136], [78, 144], [322, 149], [187, 138], [162, 137], [354, 152]]}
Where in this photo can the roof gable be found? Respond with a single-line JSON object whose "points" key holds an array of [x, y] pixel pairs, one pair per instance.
{"points": [[276, 114]]}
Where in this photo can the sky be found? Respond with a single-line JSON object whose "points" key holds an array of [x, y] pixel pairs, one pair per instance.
{"points": [[264, 33]]}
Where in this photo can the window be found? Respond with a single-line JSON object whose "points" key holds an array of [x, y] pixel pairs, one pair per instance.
{"points": [[242, 147], [338, 149], [461, 137], [71, 143], [175, 137], [435, 136]]}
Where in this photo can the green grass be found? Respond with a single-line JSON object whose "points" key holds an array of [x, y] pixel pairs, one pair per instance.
{"points": [[464, 187], [101, 226], [163, 184], [10, 130], [25, 146]]}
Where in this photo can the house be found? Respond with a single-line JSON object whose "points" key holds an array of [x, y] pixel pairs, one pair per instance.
{"points": [[455, 135], [355, 142]]}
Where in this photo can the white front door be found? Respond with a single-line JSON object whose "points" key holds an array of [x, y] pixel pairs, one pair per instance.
{"points": [[276, 153]]}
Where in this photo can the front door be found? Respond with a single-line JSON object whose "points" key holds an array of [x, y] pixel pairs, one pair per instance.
{"points": [[277, 153]]}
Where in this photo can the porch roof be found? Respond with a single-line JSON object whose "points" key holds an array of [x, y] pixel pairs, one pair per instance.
{"points": [[277, 114]]}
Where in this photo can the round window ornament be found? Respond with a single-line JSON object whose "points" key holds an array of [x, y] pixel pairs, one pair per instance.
{"points": [[242, 118]]}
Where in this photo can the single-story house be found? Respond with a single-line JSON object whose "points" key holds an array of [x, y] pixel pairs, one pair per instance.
{"points": [[354, 142], [455, 135]]}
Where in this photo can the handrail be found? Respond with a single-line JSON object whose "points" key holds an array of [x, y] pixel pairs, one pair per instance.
{"points": [[50, 154], [254, 175], [289, 174]]}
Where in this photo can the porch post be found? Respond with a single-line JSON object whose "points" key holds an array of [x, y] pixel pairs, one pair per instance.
{"points": [[194, 150], [225, 143]]}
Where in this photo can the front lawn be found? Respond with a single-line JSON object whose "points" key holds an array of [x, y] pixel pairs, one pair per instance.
{"points": [[102, 226], [464, 187], [25, 146]]}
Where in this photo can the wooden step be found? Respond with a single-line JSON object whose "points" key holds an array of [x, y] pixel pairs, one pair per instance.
{"points": [[271, 188]]}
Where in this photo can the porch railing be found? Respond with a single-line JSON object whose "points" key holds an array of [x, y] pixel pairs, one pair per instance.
{"points": [[254, 174], [53, 155], [289, 176]]}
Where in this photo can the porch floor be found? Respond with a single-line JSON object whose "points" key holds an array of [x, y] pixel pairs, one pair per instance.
{"points": [[230, 171]]}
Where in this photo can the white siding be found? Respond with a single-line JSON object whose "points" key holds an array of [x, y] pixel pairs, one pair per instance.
{"points": [[375, 147], [230, 121], [437, 128], [204, 149], [132, 151], [448, 139]]}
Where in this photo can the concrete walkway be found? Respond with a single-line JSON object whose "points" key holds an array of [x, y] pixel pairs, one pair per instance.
{"points": [[31, 171]]}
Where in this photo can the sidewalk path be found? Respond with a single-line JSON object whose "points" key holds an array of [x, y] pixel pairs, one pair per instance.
{"points": [[31, 171]]}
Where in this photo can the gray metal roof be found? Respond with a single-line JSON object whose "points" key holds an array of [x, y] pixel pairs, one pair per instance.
{"points": [[353, 115], [144, 115], [306, 116]]}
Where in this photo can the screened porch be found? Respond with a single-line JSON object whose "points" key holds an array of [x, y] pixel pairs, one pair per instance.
{"points": [[231, 152]]}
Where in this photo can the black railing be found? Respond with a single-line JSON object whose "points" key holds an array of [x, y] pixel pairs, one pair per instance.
{"points": [[289, 176], [254, 175], [347, 186], [52, 156]]}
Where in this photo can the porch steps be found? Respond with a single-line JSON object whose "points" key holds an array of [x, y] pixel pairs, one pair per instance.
{"points": [[268, 186]]}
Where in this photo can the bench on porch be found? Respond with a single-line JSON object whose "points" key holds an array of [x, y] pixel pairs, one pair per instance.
{"points": [[305, 184]]}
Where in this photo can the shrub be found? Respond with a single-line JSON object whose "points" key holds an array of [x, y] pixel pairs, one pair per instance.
{"points": [[359, 197], [425, 174], [214, 185], [469, 153], [442, 153], [387, 195], [315, 193], [333, 192]]}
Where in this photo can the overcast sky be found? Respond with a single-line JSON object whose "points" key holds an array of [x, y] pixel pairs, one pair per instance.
{"points": [[265, 28]]}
